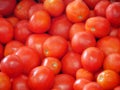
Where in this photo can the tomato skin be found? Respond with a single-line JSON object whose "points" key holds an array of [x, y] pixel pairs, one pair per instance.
{"points": [[92, 59], [112, 13], [20, 82], [71, 62], [98, 25], [1, 51], [5, 83], [29, 57], [82, 40], [7, 7], [40, 22], [41, 78], [6, 31], [63, 82]]}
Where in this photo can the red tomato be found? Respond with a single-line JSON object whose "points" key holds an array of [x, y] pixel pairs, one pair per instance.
{"points": [[1, 51], [82, 40], [52, 63], [113, 13], [41, 78], [80, 83], [11, 47], [22, 31], [98, 25], [60, 26], [54, 7], [7, 7], [36, 41], [71, 62], [40, 22], [29, 57], [6, 31], [5, 83], [77, 11], [92, 59], [63, 82], [20, 83], [55, 46], [22, 8], [106, 45], [12, 65], [100, 8]]}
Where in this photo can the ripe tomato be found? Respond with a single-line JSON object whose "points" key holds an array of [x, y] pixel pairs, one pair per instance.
{"points": [[54, 7], [22, 31], [36, 41], [82, 40], [39, 22], [113, 13], [112, 62], [80, 83], [100, 8], [22, 8], [63, 82], [71, 62], [106, 45], [11, 47], [108, 79], [60, 26], [92, 59], [77, 11], [92, 86], [1, 51], [98, 25], [29, 57], [55, 46], [20, 83], [52, 63], [83, 73], [7, 7], [41, 78], [6, 31], [5, 83]]}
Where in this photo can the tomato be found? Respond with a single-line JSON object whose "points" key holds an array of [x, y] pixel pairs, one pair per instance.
{"points": [[6, 31], [77, 11], [80, 83], [54, 7], [100, 8], [113, 13], [107, 47], [92, 86], [82, 40], [60, 26], [39, 22], [7, 7], [112, 61], [22, 8], [20, 83], [22, 32], [75, 28], [11, 65], [98, 25], [36, 41], [5, 83], [63, 82], [41, 78], [1, 51], [92, 59], [108, 79], [52, 63], [71, 62], [83, 73], [29, 57], [55, 46], [11, 47]]}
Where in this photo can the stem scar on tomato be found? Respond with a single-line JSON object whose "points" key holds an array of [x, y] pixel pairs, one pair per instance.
{"points": [[80, 17], [93, 29], [46, 52]]}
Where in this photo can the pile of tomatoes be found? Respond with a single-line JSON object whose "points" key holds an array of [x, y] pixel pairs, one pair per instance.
{"points": [[59, 45]]}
